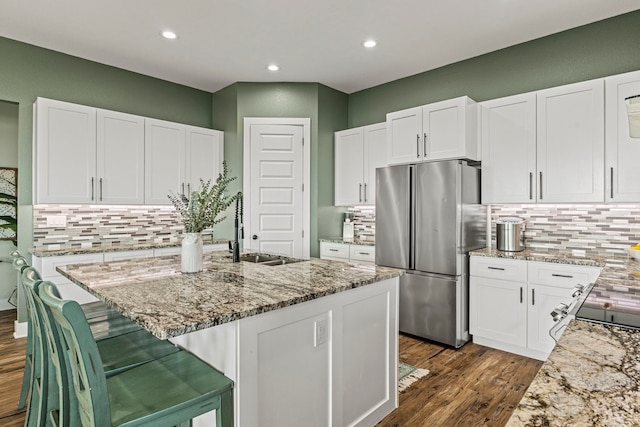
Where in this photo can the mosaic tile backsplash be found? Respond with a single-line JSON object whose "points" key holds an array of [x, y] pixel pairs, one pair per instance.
{"points": [[364, 222], [583, 229], [98, 226]]}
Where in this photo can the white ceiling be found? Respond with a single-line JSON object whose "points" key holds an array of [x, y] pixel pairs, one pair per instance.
{"points": [[225, 41]]}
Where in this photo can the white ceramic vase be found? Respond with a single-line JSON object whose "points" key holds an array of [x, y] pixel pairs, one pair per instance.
{"points": [[191, 261]]}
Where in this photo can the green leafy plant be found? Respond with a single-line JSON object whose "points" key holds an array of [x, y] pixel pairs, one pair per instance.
{"points": [[200, 210]]}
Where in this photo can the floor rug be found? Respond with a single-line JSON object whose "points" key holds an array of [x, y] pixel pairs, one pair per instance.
{"points": [[408, 375]]}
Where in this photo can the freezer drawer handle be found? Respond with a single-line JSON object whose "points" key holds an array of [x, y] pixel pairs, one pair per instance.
{"points": [[565, 276], [496, 268]]}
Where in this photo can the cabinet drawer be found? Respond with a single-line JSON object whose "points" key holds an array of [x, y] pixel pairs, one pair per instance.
{"points": [[362, 253], [49, 264], [338, 251], [562, 275], [498, 268]]}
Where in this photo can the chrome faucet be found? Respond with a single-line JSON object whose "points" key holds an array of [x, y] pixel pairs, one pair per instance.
{"points": [[238, 229]]}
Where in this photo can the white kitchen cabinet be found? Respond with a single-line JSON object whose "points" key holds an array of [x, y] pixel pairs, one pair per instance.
{"points": [[64, 167], [621, 150], [570, 143], [358, 152], [438, 131], [508, 140], [497, 306], [511, 301], [357, 254], [120, 158], [176, 157]]}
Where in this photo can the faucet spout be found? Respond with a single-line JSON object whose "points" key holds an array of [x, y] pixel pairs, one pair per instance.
{"points": [[238, 229]]}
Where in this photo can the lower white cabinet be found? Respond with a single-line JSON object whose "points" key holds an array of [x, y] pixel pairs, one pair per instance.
{"points": [[46, 267], [511, 301], [358, 254]]}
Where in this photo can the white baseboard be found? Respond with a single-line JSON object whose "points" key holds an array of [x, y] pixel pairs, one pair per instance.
{"points": [[19, 329]]}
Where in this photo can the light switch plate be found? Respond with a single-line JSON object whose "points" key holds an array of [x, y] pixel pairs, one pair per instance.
{"points": [[321, 332], [56, 221]]}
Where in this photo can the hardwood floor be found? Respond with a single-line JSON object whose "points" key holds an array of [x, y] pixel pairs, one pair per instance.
{"points": [[11, 365], [472, 386]]}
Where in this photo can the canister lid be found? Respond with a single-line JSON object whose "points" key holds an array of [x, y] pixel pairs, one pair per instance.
{"points": [[510, 220]]}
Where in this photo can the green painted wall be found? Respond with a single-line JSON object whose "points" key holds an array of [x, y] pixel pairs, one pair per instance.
{"points": [[296, 100], [607, 47]]}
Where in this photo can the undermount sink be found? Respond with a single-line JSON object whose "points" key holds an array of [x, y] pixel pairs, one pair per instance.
{"points": [[266, 259]]}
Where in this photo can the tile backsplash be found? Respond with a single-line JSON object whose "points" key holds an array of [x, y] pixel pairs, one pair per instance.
{"points": [[583, 229], [364, 222], [98, 226]]}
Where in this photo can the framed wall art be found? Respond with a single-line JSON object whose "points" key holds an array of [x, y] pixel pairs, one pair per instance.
{"points": [[8, 204]]}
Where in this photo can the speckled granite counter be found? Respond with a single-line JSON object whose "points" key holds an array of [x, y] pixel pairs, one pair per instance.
{"points": [[592, 378], [116, 248], [353, 242], [154, 293]]}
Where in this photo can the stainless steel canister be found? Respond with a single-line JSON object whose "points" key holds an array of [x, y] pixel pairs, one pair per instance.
{"points": [[510, 234]]}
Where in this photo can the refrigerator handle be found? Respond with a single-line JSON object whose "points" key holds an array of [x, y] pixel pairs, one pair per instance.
{"points": [[412, 217]]}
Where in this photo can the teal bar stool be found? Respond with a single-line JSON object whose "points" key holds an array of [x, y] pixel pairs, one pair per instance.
{"points": [[168, 391], [118, 353]]}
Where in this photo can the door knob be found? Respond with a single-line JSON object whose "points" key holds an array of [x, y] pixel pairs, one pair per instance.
{"points": [[254, 237]]}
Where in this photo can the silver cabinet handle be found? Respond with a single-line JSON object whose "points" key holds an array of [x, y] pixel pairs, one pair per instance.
{"points": [[565, 276], [530, 185], [189, 188], [360, 193], [183, 188], [333, 250], [521, 295], [533, 297], [365, 192], [496, 268], [92, 188], [612, 183], [100, 189], [540, 185], [418, 145], [364, 253], [424, 143]]}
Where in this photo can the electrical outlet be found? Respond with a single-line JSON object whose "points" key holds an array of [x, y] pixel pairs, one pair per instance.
{"points": [[321, 332], [56, 221]]}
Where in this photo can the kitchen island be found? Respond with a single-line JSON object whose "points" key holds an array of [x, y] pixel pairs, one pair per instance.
{"points": [[307, 343]]}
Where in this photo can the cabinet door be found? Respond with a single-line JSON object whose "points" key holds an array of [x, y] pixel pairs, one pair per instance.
{"points": [[497, 310], [570, 143], [508, 139], [120, 158], [349, 172], [444, 130], [622, 150], [542, 301], [65, 152], [404, 136], [204, 156], [375, 156], [164, 161]]}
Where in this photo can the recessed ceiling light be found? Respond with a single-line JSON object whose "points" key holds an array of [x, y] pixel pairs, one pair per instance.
{"points": [[370, 43], [169, 35], [273, 67]]}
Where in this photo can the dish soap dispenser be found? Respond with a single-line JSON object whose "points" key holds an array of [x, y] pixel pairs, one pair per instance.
{"points": [[347, 227]]}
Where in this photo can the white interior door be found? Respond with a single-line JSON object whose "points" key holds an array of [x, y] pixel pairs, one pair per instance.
{"points": [[276, 177]]}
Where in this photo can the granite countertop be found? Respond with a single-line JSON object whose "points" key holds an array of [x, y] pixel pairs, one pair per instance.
{"points": [[153, 292], [592, 378], [40, 252], [349, 242]]}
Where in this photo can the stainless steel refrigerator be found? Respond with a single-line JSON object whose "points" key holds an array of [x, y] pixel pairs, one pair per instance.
{"points": [[428, 217]]}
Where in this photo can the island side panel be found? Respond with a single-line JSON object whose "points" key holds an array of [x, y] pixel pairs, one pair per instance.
{"points": [[301, 364]]}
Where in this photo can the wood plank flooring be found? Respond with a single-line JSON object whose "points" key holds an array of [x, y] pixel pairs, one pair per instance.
{"points": [[472, 386]]}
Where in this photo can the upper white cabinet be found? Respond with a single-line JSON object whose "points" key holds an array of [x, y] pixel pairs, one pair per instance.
{"points": [[64, 152], [358, 152], [508, 139], [570, 143], [622, 150], [442, 130], [86, 155], [544, 147], [120, 158], [176, 157]]}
